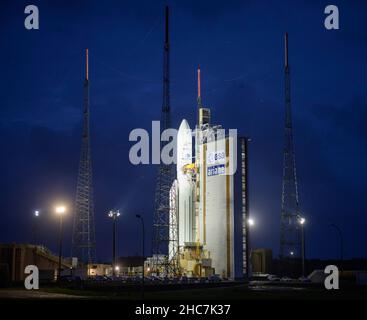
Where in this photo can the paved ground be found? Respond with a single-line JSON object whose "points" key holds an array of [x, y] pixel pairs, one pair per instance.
{"points": [[260, 291], [35, 294]]}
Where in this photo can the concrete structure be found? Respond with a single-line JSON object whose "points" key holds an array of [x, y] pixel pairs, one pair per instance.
{"points": [[130, 271], [151, 262], [99, 269], [130, 266], [262, 260], [216, 227], [15, 257]]}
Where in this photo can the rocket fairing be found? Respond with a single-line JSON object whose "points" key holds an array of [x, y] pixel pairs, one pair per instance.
{"points": [[184, 148], [186, 208]]}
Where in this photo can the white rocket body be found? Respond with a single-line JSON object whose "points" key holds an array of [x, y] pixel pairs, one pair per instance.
{"points": [[186, 211]]}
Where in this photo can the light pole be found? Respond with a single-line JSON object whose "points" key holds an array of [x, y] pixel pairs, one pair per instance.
{"points": [[117, 268], [302, 222], [60, 211], [114, 215], [36, 214], [250, 224], [143, 244], [341, 243]]}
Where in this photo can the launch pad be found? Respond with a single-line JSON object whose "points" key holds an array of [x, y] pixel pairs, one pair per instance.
{"points": [[207, 201]]}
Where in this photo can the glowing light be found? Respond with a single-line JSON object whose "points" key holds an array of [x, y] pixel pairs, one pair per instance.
{"points": [[251, 222], [60, 209], [114, 214]]}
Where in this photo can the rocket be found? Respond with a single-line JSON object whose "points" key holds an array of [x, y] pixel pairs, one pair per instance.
{"points": [[186, 209], [184, 149]]}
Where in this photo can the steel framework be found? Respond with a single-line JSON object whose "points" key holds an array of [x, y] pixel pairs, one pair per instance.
{"points": [[246, 254], [165, 177], [83, 241], [173, 249], [290, 239]]}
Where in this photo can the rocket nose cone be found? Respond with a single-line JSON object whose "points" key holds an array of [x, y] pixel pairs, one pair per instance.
{"points": [[184, 125]]}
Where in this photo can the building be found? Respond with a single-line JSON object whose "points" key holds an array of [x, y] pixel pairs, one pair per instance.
{"points": [[151, 262], [99, 269], [206, 201], [262, 260], [130, 266], [15, 257]]}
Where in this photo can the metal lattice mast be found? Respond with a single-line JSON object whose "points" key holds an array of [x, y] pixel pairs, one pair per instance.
{"points": [[165, 175], [173, 247], [84, 242], [290, 240]]}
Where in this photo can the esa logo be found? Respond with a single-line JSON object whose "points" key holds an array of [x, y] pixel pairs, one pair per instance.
{"points": [[217, 156]]}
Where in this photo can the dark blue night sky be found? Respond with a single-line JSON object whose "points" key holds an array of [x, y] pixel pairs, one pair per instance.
{"points": [[239, 46]]}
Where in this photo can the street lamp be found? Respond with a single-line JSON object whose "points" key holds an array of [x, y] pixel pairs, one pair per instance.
{"points": [[302, 222], [36, 214], [250, 224], [114, 215], [143, 245], [117, 269], [60, 211]]}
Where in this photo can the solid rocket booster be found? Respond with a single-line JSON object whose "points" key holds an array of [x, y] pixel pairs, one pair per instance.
{"points": [[186, 212]]}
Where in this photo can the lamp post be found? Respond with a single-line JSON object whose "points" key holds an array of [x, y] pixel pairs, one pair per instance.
{"points": [[341, 243], [60, 211], [143, 247], [250, 224], [117, 269], [36, 214], [302, 222], [114, 215]]}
